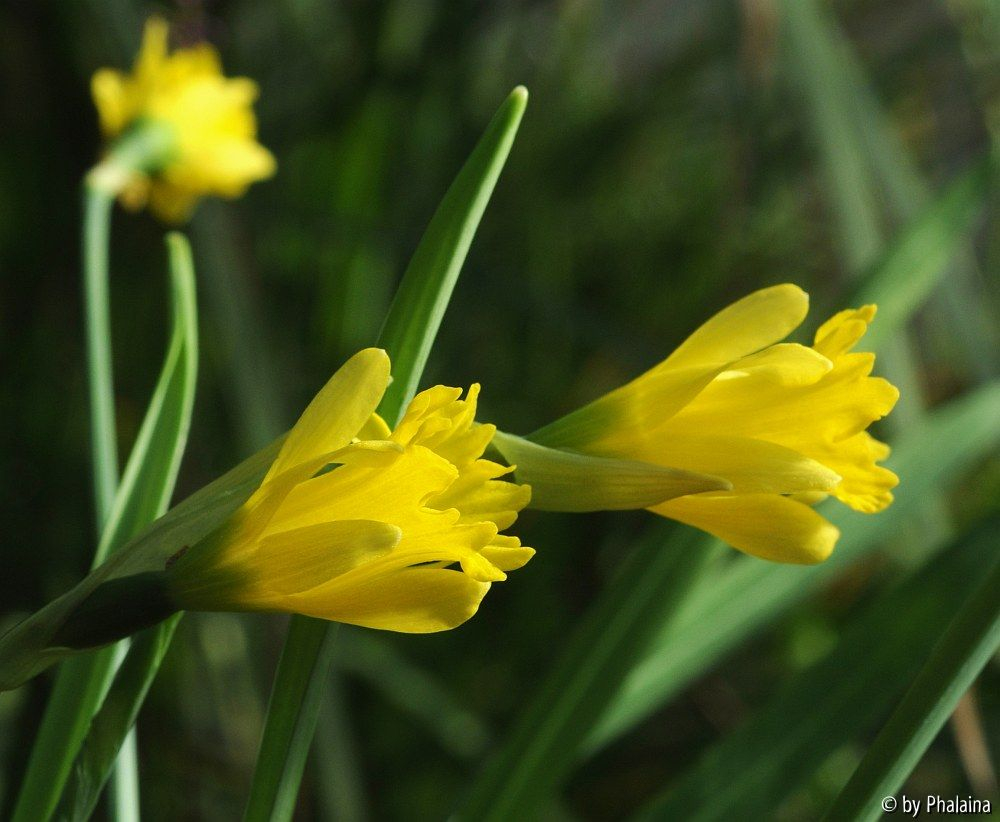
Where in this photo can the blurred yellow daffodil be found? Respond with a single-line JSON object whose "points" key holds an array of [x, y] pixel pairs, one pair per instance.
{"points": [[354, 522], [177, 129], [782, 425]]}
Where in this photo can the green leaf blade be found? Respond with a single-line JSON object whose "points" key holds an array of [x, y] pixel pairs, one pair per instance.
{"points": [[967, 645], [542, 747], [780, 748], [419, 305]]}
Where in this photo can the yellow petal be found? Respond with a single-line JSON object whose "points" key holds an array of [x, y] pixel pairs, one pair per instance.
{"points": [[395, 491], [153, 51], [413, 601], [479, 495], [748, 325], [507, 553], [841, 332], [375, 429], [107, 87], [840, 405], [784, 363], [304, 558], [235, 164], [865, 486], [337, 412], [170, 203], [752, 466], [768, 526]]}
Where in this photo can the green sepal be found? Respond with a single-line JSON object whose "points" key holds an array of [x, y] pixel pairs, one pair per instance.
{"points": [[563, 480], [116, 609], [146, 147]]}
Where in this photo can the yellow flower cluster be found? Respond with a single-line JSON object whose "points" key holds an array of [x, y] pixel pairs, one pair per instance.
{"points": [[354, 522], [204, 125], [783, 424]]}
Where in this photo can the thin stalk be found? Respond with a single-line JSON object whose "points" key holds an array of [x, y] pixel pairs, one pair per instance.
{"points": [[292, 713], [103, 438], [82, 682], [98, 203]]}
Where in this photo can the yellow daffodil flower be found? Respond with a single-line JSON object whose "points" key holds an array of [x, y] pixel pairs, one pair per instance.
{"points": [[783, 424], [177, 129], [354, 522]]}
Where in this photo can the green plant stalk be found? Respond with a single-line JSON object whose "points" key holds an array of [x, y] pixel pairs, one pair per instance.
{"points": [[408, 334], [292, 713], [98, 203], [616, 632], [82, 681], [958, 657]]}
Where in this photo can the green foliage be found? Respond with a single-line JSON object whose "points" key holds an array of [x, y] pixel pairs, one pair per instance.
{"points": [[144, 494], [676, 156], [778, 750], [957, 658]]}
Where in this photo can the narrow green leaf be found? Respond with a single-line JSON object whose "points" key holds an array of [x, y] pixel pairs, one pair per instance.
{"points": [[420, 302], [541, 749], [830, 703], [902, 279], [958, 657], [749, 594], [143, 494], [906, 192], [113, 722], [408, 334], [26, 649]]}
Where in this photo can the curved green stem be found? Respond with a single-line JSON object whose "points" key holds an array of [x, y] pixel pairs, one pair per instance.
{"points": [[81, 682], [98, 203], [103, 439]]}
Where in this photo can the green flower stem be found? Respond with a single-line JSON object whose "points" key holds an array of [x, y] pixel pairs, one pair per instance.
{"points": [[958, 657], [291, 718], [98, 201], [82, 682], [408, 334]]}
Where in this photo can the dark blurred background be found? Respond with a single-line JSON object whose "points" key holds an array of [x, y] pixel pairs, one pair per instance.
{"points": [[674, 156]]}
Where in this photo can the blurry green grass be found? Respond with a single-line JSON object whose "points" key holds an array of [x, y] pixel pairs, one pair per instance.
{"points": [[667, 166]]}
